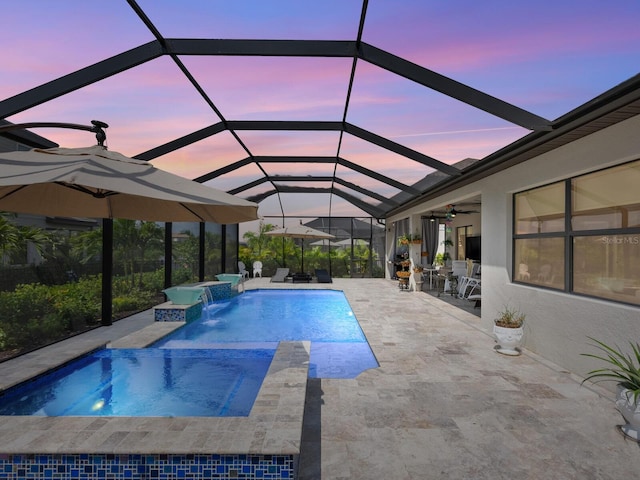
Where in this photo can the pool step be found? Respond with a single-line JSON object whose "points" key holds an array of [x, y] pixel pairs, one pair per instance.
{"points": [[145, 337]]}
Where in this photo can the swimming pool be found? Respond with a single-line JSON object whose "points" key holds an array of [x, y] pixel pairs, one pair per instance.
{"points": [[261, 318], [264, 444], [211, 367]]}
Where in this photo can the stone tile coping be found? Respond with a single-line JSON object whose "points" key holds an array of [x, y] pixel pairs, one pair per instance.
{"points": [[273, 427], [145, 337], [35, 363]]}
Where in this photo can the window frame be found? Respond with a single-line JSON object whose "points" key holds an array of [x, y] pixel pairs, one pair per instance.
{"points": [[568, 235]]}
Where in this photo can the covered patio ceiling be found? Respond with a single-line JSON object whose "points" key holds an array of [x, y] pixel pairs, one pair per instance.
{"points": [[331, 108]]}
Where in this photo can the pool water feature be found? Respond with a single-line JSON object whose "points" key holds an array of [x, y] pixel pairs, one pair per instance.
{"points": [[261, 318], [146, 383], [184, 295]]}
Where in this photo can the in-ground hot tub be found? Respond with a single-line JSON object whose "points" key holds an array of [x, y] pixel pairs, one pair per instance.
{"points": [[265, 444]]}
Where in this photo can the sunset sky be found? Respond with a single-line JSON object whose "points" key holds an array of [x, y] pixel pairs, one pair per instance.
{"points": [[547, 57]]}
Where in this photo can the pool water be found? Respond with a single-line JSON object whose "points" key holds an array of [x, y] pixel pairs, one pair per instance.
{"points": [[261, 318], [146, 383], [210, 367]]}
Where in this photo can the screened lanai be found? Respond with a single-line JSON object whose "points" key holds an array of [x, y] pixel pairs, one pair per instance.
{"points": [[316, 110]]}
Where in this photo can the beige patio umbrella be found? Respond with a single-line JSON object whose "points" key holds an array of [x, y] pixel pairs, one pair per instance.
{"points": [[357, 242], [324, 243], [300, 231], [97, 183]]}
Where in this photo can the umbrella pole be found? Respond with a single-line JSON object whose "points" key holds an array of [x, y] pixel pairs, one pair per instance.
{"points": [[107, 271]]}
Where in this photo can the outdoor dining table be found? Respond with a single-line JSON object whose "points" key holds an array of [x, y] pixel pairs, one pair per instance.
{"points": [[431, 272]]}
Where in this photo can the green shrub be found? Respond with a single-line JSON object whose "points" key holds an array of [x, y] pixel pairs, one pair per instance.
{"points": [[79, 303], [153, 281], [34, 314], [182, 275], [41, 331], [129, 303], [31, 300]]}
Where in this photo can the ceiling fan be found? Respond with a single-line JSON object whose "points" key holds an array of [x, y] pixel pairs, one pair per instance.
{"points": [[450, 212], [453, 211]]}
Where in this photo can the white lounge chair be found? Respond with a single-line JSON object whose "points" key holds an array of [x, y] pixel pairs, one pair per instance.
{"points": [[242, 270], [468, 286], [470, 289], [280, 275], [257, 269]]}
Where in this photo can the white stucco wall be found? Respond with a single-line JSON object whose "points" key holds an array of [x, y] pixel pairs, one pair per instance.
{"points": [[558, 324]]}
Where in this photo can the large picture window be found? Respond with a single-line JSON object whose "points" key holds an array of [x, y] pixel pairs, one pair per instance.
{"points": [[582, 235]]}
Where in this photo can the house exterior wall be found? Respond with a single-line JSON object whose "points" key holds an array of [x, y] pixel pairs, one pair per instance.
{"points": [[558, 324]]}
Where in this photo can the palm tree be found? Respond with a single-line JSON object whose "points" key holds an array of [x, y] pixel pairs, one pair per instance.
{"points": [[15, 237], [133, 242]]}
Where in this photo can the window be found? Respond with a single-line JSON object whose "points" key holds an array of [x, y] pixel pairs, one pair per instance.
{"points": [[588, 226], [608, 199], [541, 210], [540, 261]]}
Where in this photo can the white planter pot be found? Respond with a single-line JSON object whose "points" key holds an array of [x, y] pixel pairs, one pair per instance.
{"points": [[509, 340], [630, 410]]}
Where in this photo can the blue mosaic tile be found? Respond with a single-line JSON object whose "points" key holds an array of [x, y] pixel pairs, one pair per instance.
{"points": [[178, 313], [160, 467], [220, 291]]}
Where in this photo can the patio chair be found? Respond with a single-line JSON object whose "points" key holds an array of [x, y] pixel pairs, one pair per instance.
{"points": [[468, 286], [545, 275], [458, 268], [523, 272], [280, 275], [323, 276], [473, 291], [301, 277], [243, 270], [257, 269]]}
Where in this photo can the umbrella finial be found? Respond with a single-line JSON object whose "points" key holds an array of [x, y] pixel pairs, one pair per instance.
{"points": [[98, 129]]}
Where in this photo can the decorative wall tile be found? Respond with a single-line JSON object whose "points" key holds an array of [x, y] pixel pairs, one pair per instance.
{"points": [[160, 467]]}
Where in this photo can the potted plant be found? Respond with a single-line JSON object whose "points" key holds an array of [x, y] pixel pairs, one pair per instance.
{"points": [[446, 256], [416, 238], [509, 328], [624, 369], [404, 239]]}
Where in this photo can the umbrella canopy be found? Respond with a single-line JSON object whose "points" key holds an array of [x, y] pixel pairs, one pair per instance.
{"points": [[357, 242], [299, 231], [97, 183], [324, 243]]}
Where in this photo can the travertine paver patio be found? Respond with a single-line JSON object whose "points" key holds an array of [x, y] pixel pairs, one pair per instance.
{"points": [[444, 405]]}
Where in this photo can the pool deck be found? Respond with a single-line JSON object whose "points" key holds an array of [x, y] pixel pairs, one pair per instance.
{"points": [[442, 404]]}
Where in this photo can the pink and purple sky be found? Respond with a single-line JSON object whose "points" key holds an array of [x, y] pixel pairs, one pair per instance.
{"points": [[547, 57]]}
